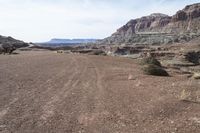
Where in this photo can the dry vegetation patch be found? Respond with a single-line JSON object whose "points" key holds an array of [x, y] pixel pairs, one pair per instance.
{"points": [[154, 70], [150, 60], [190, 95], [152, 66]]}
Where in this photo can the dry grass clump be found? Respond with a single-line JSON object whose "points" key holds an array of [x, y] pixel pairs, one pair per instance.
{"points": [[154, 70], [185, 95], [150, 61], [60, 51], [97, 52], [152, 66], [190, 95]]}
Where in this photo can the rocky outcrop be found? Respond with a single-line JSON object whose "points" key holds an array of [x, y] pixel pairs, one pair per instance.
{"points": [[12, 42], [145, 24], [180, 16], [188, 13], [9, 44], [160, 28]]}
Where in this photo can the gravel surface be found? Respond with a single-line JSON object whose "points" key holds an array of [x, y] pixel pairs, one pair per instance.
{"points": [[45, 92]]}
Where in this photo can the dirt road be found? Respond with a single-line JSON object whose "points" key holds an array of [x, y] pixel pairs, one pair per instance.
{"points": [[47, 92]]}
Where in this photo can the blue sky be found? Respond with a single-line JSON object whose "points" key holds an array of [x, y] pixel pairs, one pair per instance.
{"points": [[41, 20]]}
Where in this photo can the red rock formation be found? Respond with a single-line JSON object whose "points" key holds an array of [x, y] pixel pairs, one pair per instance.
{"points": [[184, 21]]}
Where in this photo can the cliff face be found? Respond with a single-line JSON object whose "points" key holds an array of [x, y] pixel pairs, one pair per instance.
{"points": [[145, 24], [160, 28], [188, 13]]}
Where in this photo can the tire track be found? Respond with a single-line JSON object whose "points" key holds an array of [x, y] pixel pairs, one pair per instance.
{"points": [[50, 107]]}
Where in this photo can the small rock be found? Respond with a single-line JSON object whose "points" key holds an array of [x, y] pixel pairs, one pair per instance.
{"points": [[196, 76], [130, 77]]}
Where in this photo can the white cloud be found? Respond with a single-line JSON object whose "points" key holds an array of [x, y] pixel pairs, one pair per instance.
{"points": [[41, 20]]}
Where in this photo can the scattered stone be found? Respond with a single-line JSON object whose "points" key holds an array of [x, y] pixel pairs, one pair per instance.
{"points": [[131, 77], [196, 76]]}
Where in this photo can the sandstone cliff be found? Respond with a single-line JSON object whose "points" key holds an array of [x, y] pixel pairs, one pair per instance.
{"points": [[160, 28]]}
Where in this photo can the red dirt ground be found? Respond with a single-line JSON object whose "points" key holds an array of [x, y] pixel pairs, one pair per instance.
{"points": [[48, 92]]}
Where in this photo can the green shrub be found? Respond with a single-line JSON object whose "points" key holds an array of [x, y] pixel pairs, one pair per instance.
{"points": [[154, 70], [150, 61]]}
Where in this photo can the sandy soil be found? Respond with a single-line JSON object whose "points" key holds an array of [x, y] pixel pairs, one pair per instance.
{"points": [[47, 92]]}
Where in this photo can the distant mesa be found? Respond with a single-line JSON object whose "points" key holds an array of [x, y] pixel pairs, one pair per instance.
{"points": [[72, 41], [63, 42]]}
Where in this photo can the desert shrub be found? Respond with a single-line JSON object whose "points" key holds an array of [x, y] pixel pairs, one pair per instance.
{"points": [[7, 48], [60, 51], [1, 50], [185, 95], [150, 61], [193, 57], [154, 70], [97, 52]]}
